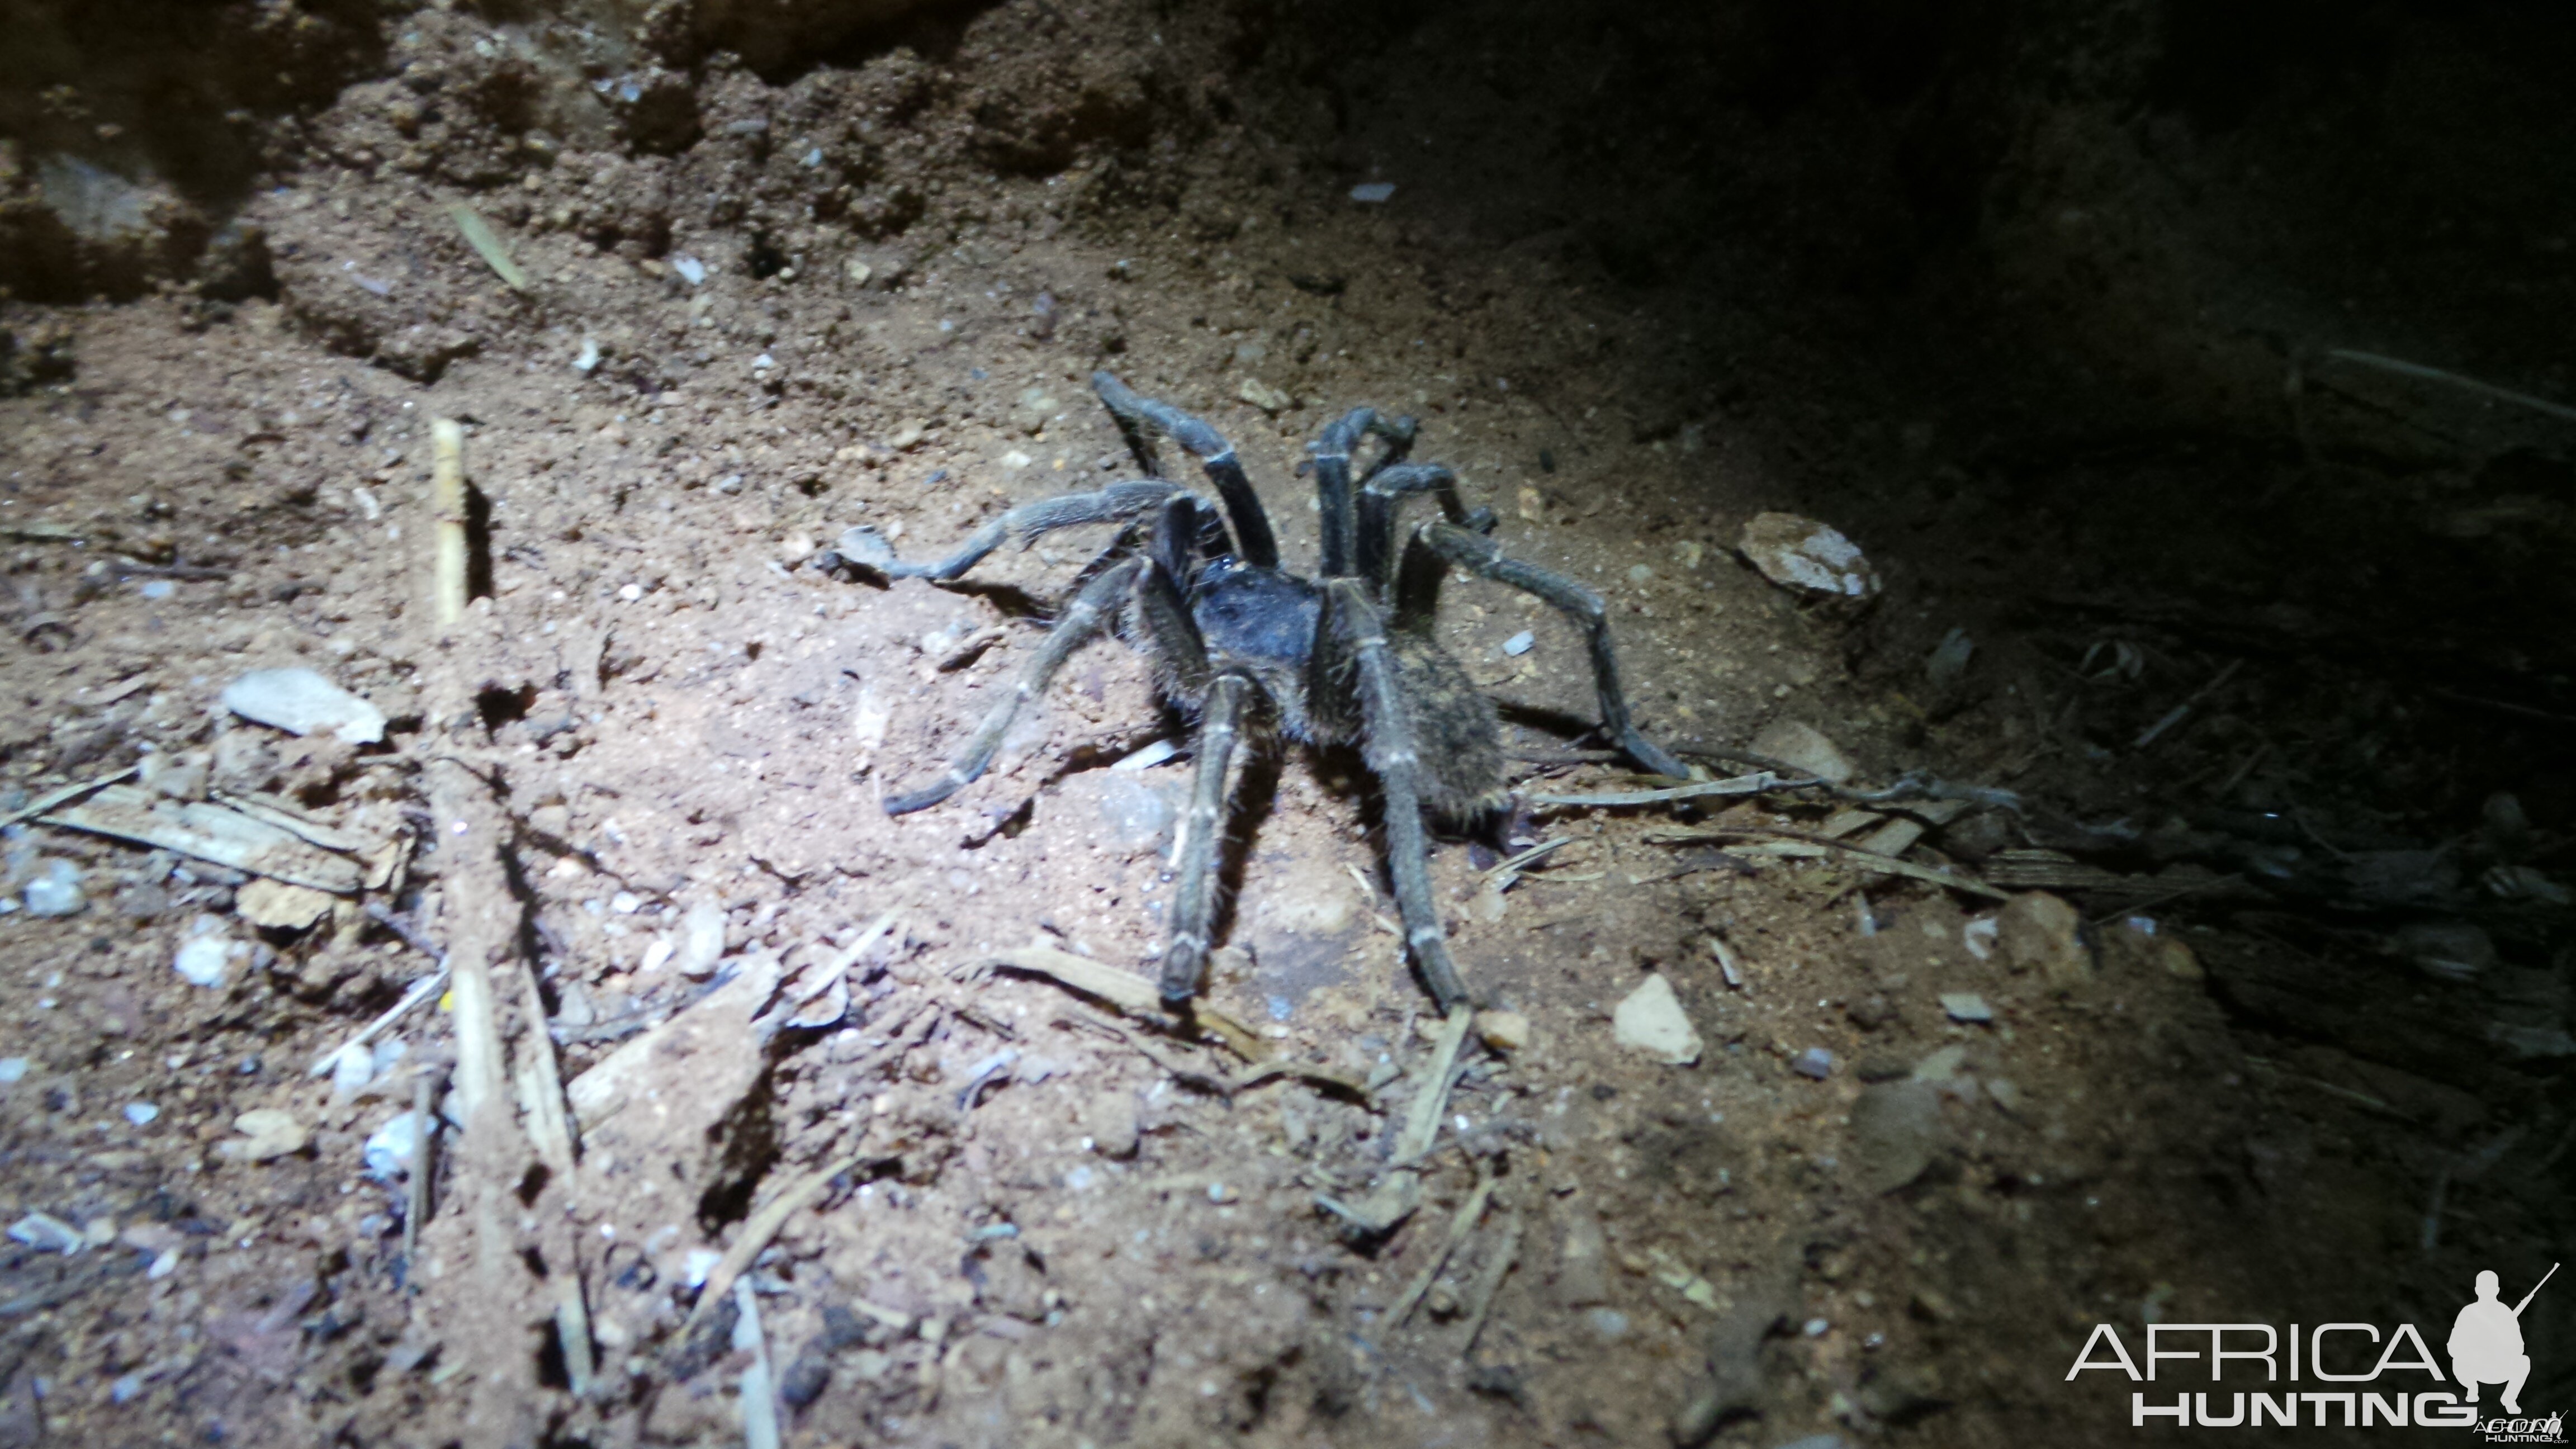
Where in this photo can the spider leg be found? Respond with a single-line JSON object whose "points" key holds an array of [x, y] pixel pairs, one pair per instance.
{"points": [[1194, 853], [1139, 417], [1031, 521], [1383, 498], [1418, 591], [1081, 620], [1179, 648], [1353, 629]]}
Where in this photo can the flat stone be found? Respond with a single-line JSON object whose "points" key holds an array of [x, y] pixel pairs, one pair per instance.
{"points": [[301, 702], [1263, 396], [267, 1133], [1504, 1031], [1808, 558], [1966, 1006], [1805, 747], [1651, 1020], [1896, 1128], [279, 906], [2037, 931]]}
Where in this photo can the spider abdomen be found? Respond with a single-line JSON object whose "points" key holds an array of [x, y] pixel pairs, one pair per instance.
{"points": [[1455, 730]]}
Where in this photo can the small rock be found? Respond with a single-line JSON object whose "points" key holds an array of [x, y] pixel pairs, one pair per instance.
{"points": [[1263, 396], [907, 435], [1815, 1062], [267, 1133], [204, 959], [393, 1148], [2007, 1094], [279, 906], [858, 272], [1804, 747], [176, 774], [244, 760], [1520, 643], [1609, 1323], [1109, 1120], [12, 1069], [2135, 944], [2038, 932], [54, 889], [1942, 1065], [1808, 558], [351, 1070], [1896, 1128], [1651, 1020], [48, 1234], [141, 1114], [300, 702], [702, 939], [1504, 1031], [1371, 193], [1035, 406], [1966, 1006], [1979, 937], [691, 270]]}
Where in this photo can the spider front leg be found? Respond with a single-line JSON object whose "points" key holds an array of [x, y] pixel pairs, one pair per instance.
{"points": [[1417, 593], [1139, 418], [1082, 619], [1194, 854], [1354, 636], [1117, 503]]}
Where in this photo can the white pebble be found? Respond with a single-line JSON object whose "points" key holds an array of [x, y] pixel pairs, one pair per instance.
{"points": [[201, 962], [1520, 643], [390, 1151], [588, 361], [1979, 937], [702, 938], [657, 955], [691, 270], [700, 1262], [352, 1070], [1372, 192], [625, 903], [55, 890], [12, 1069], [141, 1113]]}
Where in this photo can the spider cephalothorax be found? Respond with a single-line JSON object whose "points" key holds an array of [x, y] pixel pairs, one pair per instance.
{"points": [[1240, 644]]}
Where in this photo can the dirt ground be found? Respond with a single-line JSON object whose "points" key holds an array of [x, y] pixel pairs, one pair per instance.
{"points": [[2233, 672]]}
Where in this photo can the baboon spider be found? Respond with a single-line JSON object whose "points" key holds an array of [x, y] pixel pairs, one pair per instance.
{"points": [[1244, 645]]}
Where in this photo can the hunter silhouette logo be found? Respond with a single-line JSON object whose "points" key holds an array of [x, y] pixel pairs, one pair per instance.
{"points": [[2486, 1342]]}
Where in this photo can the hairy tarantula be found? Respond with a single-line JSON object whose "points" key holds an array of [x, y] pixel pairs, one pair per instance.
{"points": [[1245, 645]]}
